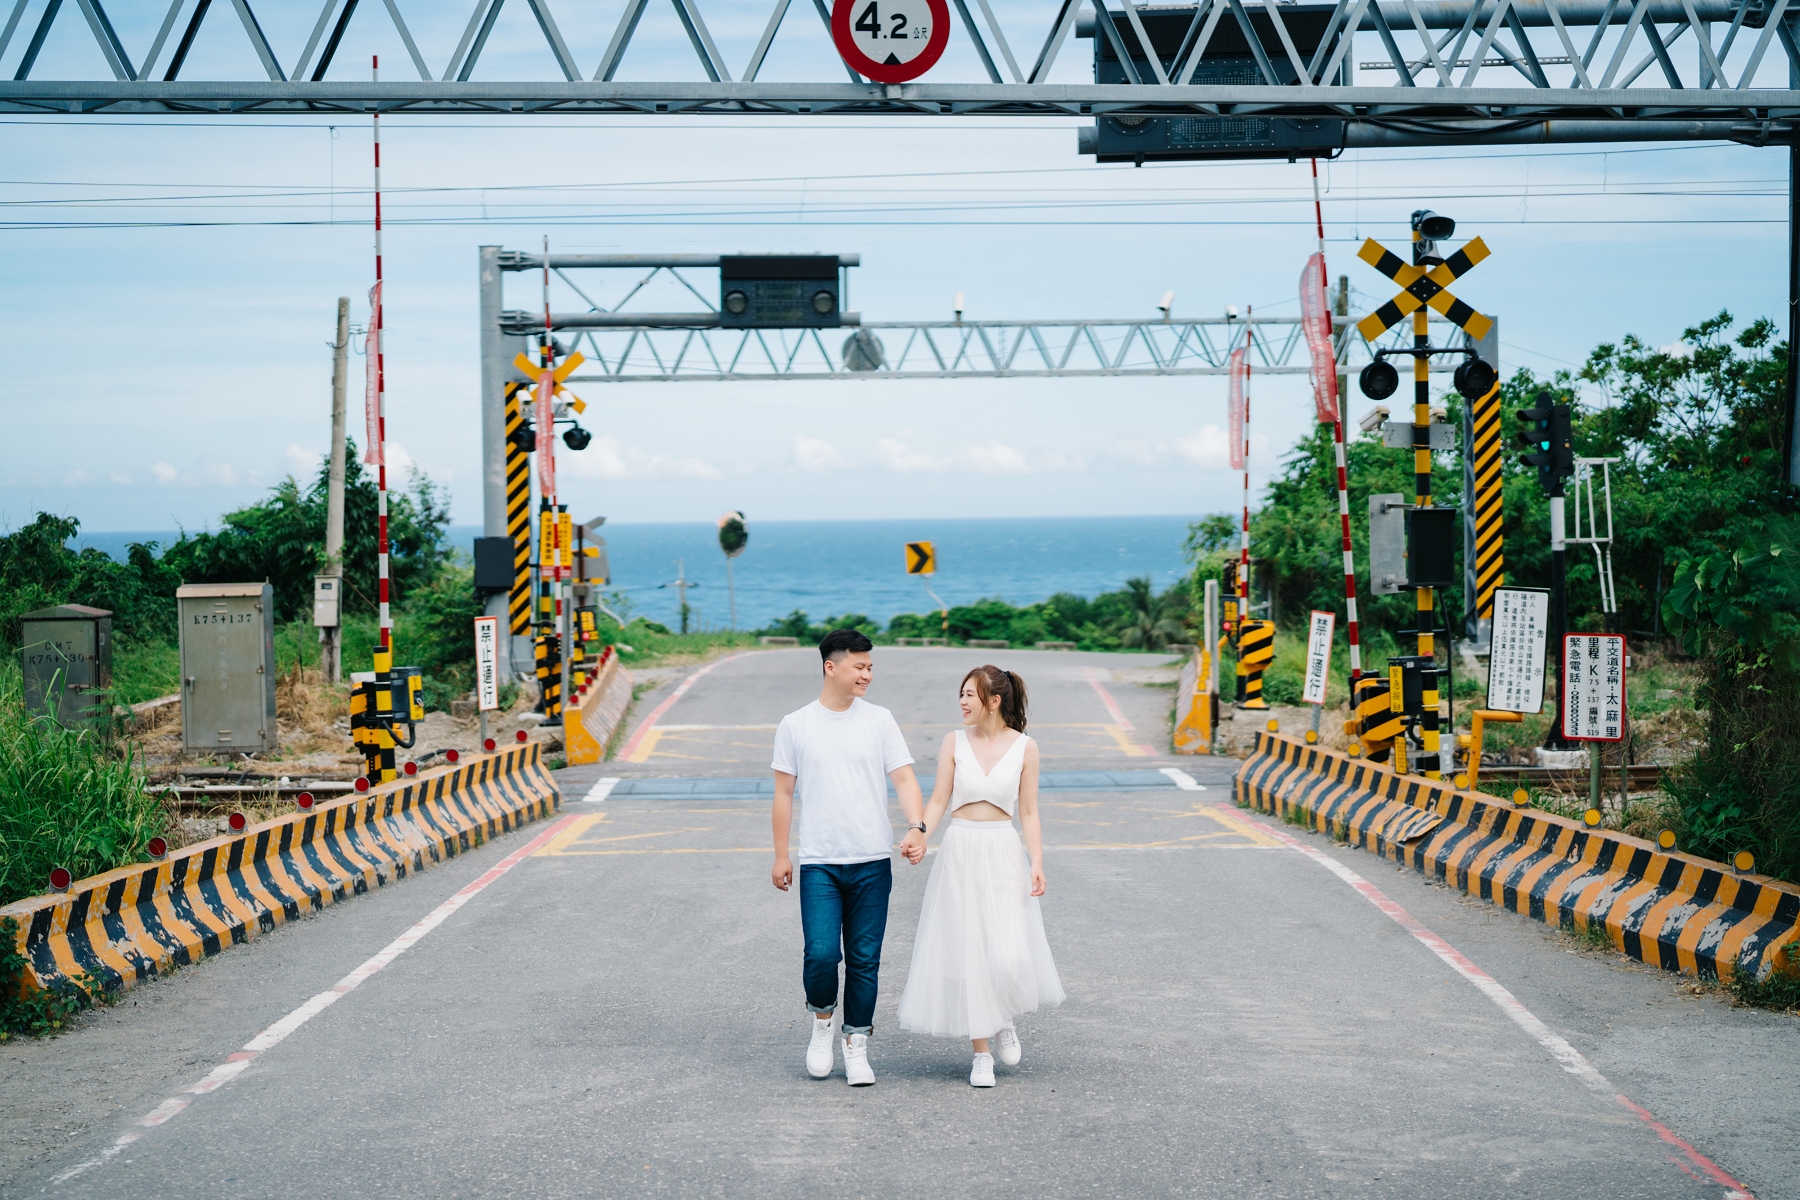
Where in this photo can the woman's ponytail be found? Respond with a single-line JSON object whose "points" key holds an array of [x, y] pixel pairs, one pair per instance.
{"points": [[991, 681]]}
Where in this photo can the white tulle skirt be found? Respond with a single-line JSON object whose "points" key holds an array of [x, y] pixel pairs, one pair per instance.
{"points": [[980, 958]]}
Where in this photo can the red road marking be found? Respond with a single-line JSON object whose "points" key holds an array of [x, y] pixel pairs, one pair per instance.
{"points": [[274, 1035], [1112, 707], [1567, 1056], [656, 714]]}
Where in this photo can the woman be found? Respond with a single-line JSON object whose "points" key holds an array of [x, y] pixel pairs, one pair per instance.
{"points": [[980, 958]]}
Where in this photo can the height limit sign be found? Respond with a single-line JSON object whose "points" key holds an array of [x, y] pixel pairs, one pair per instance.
{"points": [[1593, 707], [890, 41]]}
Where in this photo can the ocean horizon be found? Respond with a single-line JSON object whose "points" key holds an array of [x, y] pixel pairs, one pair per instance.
{"points": [[830, 568]]}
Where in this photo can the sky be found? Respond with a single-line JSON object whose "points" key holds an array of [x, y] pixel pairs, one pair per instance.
{"points": [[168, 286]]}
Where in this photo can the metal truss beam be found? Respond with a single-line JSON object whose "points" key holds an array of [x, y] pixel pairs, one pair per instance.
{"points": [[1690, 68], [655, 350]]}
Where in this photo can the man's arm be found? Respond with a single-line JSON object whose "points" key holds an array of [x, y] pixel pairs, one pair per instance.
{"points": [[912, 804], [782, 818]]}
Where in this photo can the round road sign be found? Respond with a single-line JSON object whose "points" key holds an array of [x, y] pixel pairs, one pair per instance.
{"points": [[890, 41]]}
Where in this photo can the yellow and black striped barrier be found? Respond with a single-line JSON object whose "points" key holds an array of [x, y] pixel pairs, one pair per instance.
{"points": [[135, 923], [518, 513], [1675, 911], [1490, 556], [1377, 725], [1255, 651]]}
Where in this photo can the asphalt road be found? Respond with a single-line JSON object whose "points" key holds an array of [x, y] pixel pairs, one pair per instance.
{"points": [[620, 1013]]}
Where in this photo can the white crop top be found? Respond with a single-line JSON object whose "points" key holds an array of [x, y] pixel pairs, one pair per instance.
{"points": [[999, 788]]}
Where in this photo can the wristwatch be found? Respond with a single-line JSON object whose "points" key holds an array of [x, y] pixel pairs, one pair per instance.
{"points": [[918, 825]]}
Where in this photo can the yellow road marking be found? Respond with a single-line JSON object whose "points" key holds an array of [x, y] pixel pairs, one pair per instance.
{"points": [[1236, 824], [1130, 748], [646, 747], [571, 831]]}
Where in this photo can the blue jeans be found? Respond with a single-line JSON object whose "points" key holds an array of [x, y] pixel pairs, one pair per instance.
{"points": [[847, 902]]}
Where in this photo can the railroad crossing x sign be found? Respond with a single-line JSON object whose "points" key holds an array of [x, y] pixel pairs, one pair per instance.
{"points": [[558, 374], [1423, 288], [921, 558]]}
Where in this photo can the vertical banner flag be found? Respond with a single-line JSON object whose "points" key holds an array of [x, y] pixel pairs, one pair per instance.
{"points": [[544, 413], [1239, 373], [372, 448], [1318, 656], [1315, 321], [1593, 685], [487, 663]]}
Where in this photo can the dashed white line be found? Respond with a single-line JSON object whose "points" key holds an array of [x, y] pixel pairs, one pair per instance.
{"points": [[601, 790]]}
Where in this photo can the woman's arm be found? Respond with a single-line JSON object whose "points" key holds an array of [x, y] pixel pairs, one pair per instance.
{"points": [[1028, 817], [942, 787]]}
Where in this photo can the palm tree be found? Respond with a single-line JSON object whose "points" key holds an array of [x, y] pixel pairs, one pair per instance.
{"points": [[1147, 623]]}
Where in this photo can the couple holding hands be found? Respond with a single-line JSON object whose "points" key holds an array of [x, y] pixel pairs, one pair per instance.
{"points": [[980, 958]]}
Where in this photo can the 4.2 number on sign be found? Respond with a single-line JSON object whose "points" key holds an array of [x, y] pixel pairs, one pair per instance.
{"points": [[890, 41]]}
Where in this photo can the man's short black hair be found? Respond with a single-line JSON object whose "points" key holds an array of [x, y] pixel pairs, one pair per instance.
{"points": [[843, 641]]}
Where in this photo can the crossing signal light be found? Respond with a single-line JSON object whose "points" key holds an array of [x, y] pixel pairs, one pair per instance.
{"points": [[1474, 378], [1379, 379]]}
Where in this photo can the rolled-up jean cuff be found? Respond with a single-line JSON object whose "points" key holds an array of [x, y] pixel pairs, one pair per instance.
{"points": [[821, 1011], [865, 1030]]}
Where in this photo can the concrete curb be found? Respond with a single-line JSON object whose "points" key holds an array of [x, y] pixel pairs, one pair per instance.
{"points": [[133, 923], [595, 711], [1676, 911]]}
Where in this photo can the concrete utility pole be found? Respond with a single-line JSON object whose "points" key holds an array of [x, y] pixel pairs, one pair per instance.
{"points": [[332, 635]]}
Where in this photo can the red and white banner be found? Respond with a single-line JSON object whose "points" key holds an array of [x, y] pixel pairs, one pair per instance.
{"points": [[1315, 322], [545, 415], [372, 448], [1239, 375]]}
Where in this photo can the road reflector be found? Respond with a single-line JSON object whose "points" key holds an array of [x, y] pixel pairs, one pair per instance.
{"points": [[921, 558], [237, 821], [60, 879], [1312, 736], [1274, 725], [1591, 818], [1744, 861], [1666, 839], [1461, 781], [1355, 750], [304, 801], [1521, 797]]}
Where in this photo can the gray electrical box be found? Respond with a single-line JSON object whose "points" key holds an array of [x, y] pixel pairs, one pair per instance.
{"points": [[1398, 435], [66, 658], [1387, 544], [227, 667], [327, 591]]}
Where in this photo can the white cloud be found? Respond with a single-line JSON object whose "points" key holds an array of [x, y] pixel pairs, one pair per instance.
{"points": [[815, 454], [164, 473], [1676, 350], [302, 460], [903, 460], [609, 459], [76, 478], [222, 474], [119, 477], [997, 458], [1208, 446]]}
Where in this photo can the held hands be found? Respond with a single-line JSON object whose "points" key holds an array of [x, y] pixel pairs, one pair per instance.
{"points": [[782, 874], [912, 847], [1037, 879]]}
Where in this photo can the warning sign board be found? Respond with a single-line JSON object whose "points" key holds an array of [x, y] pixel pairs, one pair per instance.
{"points": [[1593, 707], [487, 663], [921, 558], [1516, 655], [1318, 656], [890, 41]]}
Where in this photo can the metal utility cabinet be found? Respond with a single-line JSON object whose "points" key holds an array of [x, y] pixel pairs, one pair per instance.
{"points": [[227, 667], [66, 658]]}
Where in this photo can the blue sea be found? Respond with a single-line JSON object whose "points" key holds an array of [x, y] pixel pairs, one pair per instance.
{"points": [[829, 568]]}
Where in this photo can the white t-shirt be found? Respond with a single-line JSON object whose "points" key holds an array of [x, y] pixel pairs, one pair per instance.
{"points": [[840, 763]]}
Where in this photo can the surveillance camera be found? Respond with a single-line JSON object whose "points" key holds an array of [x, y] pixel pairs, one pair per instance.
{"points": [[1167, 302], [958, 304], [1231, 312], [1374, 419]]}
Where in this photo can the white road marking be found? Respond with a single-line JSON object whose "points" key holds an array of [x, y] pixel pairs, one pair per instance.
{"points": [[601, 790], [1183, 780], [275, 1034]]}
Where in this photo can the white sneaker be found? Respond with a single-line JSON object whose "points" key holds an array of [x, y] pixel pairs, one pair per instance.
{"points": [[1007, 1046], [982, 1073], [818, 1051], [856, 1060]]}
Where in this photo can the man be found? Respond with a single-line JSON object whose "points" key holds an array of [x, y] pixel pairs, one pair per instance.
{"points": [[841, 751]]}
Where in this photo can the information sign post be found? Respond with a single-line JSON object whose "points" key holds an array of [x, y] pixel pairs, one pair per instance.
{"points": [[487, 670], [1520, 636], [1318, 664], [1593, 699]]}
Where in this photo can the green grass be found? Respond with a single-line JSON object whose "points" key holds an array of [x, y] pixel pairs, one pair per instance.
{"points": [[66, 800], [1779, 990]]}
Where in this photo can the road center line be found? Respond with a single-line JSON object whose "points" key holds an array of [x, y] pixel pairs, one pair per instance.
{"points": [[1567, 1056], [274, 1035], [681, 689]]}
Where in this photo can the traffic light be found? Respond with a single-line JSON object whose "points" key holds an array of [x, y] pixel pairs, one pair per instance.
{"points": [[1552, 441]]}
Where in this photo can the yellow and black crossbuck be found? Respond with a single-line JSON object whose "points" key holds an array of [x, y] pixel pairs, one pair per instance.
{"points": [[1423, 288]]}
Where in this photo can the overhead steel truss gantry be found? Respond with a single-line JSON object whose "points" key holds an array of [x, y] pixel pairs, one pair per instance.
{"points": [[1451, 70]]}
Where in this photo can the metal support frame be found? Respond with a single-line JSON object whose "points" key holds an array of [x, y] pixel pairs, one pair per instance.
{"points": [[1543, 74]]}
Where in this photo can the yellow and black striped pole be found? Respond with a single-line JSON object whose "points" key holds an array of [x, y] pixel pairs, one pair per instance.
{"points": [[1255, 651], [1484, 452], [518, 512], [1421, 444]]}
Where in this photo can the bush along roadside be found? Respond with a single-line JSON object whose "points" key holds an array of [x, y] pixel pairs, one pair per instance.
{"points": [[37, 1013]]}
